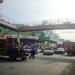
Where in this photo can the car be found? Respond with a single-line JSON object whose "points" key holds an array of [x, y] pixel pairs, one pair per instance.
{"points": [[60, 51], [27, 48], [48, 51], [38, 50]]}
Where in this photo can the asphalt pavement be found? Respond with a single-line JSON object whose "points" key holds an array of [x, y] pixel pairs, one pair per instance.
{"points": [[41, 65]]}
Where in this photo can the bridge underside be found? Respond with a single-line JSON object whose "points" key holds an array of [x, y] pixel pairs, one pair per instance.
{"points": [[36, 28], [8, 25]]}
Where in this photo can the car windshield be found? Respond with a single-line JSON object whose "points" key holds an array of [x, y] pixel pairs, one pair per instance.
{"points": [[60, 49], [48, 48]]}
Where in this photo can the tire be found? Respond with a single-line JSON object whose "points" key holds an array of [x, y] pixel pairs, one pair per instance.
{"points": [[23, 58], [52, 54], [43, 53], [68, 53], [12, 58]]}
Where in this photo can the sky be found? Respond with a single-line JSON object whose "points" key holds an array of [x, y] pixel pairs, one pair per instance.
{"points": [[66, 34], [23, 11], [27, 11]]}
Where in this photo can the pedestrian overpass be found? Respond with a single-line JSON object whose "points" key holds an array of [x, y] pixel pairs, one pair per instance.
{"points": [[48, 27], [7, 25], [14, 27]]}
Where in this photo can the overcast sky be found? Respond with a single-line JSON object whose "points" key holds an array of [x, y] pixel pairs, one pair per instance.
{"points": [[25, 11]]}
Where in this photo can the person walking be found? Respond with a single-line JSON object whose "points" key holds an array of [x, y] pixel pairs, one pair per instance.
{"points": [[33, 51]]}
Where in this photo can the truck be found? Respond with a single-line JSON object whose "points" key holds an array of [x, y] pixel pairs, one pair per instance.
{"points": [[69, 47], [9, 46]]}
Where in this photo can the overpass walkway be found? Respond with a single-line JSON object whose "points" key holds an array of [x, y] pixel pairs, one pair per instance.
{"points": [[37, 27], [8, 25]]}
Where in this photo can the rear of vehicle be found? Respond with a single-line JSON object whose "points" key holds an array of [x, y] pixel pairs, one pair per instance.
{"points": [[70, 47], [27, 48], [9, 47], [60, 51], [48, 51], [14, 50]]}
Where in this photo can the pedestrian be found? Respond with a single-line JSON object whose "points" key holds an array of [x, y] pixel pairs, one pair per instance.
{"points": [[33, 51]]}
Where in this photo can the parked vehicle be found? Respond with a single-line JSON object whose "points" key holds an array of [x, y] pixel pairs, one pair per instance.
{"points": [[27, 48], [9, 46], [48, 51], [59, 51], [69, 47]]}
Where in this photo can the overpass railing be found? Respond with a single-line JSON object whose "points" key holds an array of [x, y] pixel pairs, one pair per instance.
{"points": [[40, 22], [6, 19], [53, 22]]}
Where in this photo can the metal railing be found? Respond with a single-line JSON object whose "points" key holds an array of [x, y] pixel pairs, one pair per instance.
{"points": [[41, 22], [53, 22], [6, 19]]}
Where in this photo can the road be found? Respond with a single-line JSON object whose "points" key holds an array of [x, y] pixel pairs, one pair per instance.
{"points": [[41, 65]]}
